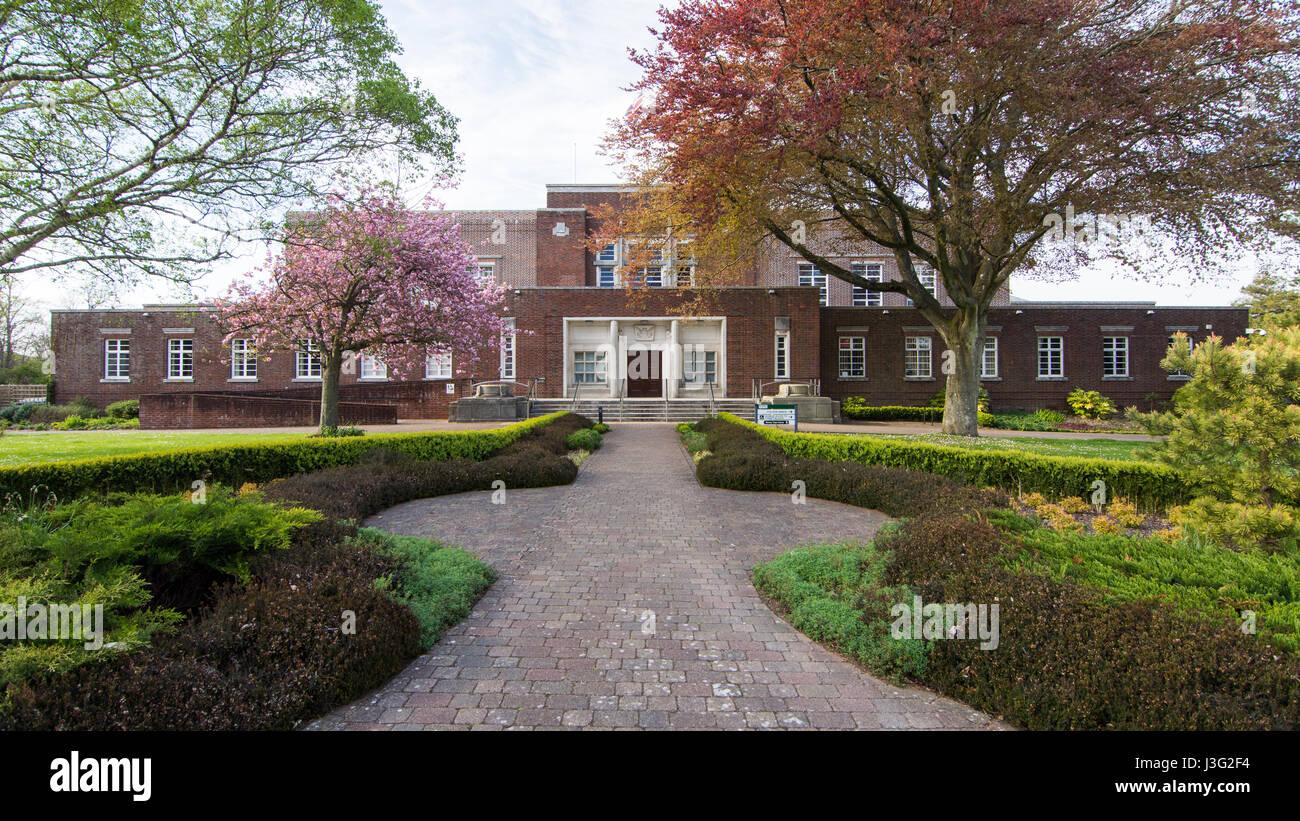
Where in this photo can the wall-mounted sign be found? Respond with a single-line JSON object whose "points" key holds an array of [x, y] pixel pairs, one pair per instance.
{"points": [[451, 388]]}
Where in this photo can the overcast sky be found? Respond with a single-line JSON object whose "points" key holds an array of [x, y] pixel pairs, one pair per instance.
{"points": [[535, 82]]}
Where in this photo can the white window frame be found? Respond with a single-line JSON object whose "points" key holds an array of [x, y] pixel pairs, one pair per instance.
{"points": [[697, 362], [857, 357], [865, 297], [781, 355], [372, 368], [918, 357], [653, 276], [808, 275], [307, 361], [180, 359], [1045, 347], [117, 359], [1113, 349], [606, 276], [990, 347], [596, 374], [243, 360], [485, 270], [1191, 346], [929, 281], [437, 365], [508, 359]]}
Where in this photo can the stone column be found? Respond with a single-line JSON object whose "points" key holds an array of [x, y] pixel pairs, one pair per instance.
{"points": [[612, 367], [673, 360]]}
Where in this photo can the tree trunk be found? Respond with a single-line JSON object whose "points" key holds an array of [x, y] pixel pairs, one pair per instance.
{"points": [[962, 363], [329, 390]]}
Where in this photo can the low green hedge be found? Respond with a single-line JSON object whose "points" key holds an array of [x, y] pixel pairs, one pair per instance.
{"points": [[236, 464], [900, 413], [1154, 487]]}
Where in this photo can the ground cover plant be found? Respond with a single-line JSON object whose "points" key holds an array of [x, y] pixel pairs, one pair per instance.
{"points": [[1097, 631], [246, 610]]}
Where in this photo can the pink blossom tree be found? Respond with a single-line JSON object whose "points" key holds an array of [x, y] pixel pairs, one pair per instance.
{"points": [[367, 275]]}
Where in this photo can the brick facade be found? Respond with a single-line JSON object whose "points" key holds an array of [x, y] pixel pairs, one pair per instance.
{"points": [[542, 255]]}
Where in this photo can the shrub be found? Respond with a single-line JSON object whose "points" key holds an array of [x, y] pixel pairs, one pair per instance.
{"points": [[694, 441], [440, 584], [601, 428], [854, 407], [940, 400], [1154, 486], [1235, 525], [1090, 404], [337, 432], [588, 440], [126, 409], [1041, 419], [236, 464]]}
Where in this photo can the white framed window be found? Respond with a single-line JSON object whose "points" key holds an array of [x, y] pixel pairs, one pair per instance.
{"points": [[700, 367], [1114, 356], [684, 263], [605, 276], [243, 359], [590, 368], [782, 355], [306, 360], [929, 281], [863, 297], [917, 357], [653, 277], [485, 271], [1051, 357], [853, 357], [373, 368], [989, 364], [437, 365], [1191, 345], [608, 254], [809, 274], [117, 360], [180, 359], [508, 350]]}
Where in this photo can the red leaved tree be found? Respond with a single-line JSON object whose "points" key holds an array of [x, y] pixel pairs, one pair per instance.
{"points": [[956, 134]]}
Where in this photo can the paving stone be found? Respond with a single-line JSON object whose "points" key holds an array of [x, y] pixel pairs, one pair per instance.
{"points": [[624, 602]]}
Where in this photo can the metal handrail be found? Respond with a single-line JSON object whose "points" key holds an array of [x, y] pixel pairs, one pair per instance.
{"points": [[622, 394], [713, 401], [577, 392]]}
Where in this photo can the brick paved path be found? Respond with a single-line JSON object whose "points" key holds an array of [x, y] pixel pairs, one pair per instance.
{"points": [[564, 638]]}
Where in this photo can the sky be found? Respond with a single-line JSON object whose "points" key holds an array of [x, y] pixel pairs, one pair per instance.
{"points": [[535, 84]]}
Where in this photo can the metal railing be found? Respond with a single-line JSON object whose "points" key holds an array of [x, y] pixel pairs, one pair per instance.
{"points": [[713, 401], [577, 394]]}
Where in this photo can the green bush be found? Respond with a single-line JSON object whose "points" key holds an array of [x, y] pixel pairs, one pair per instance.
{"points": [[1090, 404], [854, 407], [940, 400], [236, 464], [126, 409], [588, 440], [1042, 419], [337, 432], [601, 428], [694, 441], [1153, 486], [440, 584]]}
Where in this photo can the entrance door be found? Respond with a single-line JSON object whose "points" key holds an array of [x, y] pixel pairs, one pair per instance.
{"points": [[643, 376]]}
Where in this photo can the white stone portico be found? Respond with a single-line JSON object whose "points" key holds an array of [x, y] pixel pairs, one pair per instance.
{"points": [[660, 357]]}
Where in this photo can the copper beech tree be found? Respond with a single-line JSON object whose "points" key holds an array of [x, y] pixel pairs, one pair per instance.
{"points": [[963, 137]]}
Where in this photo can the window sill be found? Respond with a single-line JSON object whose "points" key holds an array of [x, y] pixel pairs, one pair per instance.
{"points": [[990, 379], [306, 379], [438, 378], [1178, 378], [242, 379], [1051, 379], [372, 378], [120, 380], [179, 379], [844, 378], [918, 378], [1117, 379]]}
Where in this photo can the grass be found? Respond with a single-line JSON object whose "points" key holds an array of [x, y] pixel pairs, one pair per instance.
{"points": [[1118, 449], [58, 446]]}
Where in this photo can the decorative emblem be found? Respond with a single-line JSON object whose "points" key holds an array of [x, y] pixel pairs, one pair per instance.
{"points": [[560, 230], [643, 333]]}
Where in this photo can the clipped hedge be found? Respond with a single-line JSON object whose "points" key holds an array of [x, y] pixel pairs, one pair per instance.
{"points": [[1154, 487], [168, 471]]}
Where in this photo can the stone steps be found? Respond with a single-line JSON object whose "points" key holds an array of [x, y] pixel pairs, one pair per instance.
{"points": [[644, 410]]}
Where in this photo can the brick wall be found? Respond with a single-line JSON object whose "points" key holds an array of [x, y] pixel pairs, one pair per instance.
{"points": [[1017, 385], [161, 411]]}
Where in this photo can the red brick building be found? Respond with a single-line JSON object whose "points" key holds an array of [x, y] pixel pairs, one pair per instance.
{"points": [[581, 331]]}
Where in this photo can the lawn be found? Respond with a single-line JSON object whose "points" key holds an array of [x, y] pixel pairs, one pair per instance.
{"points": [[1120, 449], [55, 446]]}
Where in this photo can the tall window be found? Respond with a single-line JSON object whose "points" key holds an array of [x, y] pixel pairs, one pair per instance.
{"points": [[485, 272], [117, 359], [608, 254], [925, 274], [1190, 345], [437, 365], [180, 359], [653, 277], [782, 355], [589, 368], [605, 276], [874, 271], [916, 357], [853, 357], [306, 363], [508, 350], [684, 263], [243, 359], [810, 275], [700, 366], [1114, 356], [373, 368], [1051, 357], [989, 365]]}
